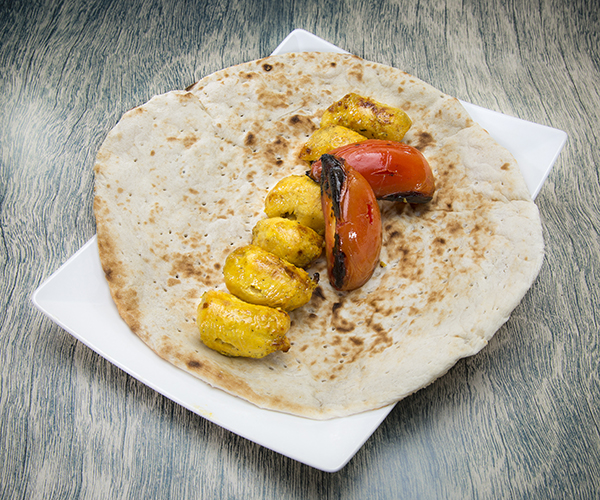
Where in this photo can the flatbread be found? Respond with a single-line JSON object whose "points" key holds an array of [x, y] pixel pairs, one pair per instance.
{"points": [[181, 182]]}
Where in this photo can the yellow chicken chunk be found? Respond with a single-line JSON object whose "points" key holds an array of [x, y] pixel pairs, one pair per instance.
{"points": [[297, 197], [260, 277], [288, 239], [325, 139], [367, 117], [234, 328]]}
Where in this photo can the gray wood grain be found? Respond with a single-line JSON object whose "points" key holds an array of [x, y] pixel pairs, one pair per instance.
{"points": [[519, 420]]}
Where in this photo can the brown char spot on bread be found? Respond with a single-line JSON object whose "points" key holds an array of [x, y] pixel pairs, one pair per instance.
{"points": [[425, 139], [435, 296], [233, 383], [212, 372], [356, 341], [250, 139], [439, 244], [356, 72], [318, 294], [271, 99], [186, 97], [189, 140], [194, 364], [190, 265], [381, 338], [301, 124], [128, 306], [340, 323]]}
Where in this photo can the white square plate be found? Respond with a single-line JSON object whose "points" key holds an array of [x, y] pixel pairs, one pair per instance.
{"points": [[77, 298]]}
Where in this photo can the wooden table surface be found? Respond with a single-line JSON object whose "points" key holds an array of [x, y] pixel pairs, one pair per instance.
{"points": [[519, 420]]}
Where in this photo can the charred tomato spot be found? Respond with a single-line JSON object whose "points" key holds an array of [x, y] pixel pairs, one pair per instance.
{"points": [[333, 178], [408, 197], [338, 271]]}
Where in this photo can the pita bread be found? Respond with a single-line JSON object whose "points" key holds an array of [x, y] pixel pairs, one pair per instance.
{"points": [[181, 182]]}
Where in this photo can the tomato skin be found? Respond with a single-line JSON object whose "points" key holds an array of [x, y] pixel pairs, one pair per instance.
{"points": [[353, 234], [395, 171]]}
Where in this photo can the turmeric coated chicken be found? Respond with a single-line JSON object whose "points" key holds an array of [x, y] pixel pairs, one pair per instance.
{"points": [[327, 138], [367, 117], [260, 277], [297, 197], [288, 239], [233, 327]]}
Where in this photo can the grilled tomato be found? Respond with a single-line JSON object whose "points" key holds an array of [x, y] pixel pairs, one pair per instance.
{"points": [[352, 224], [395, 171], [233, 327]]}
